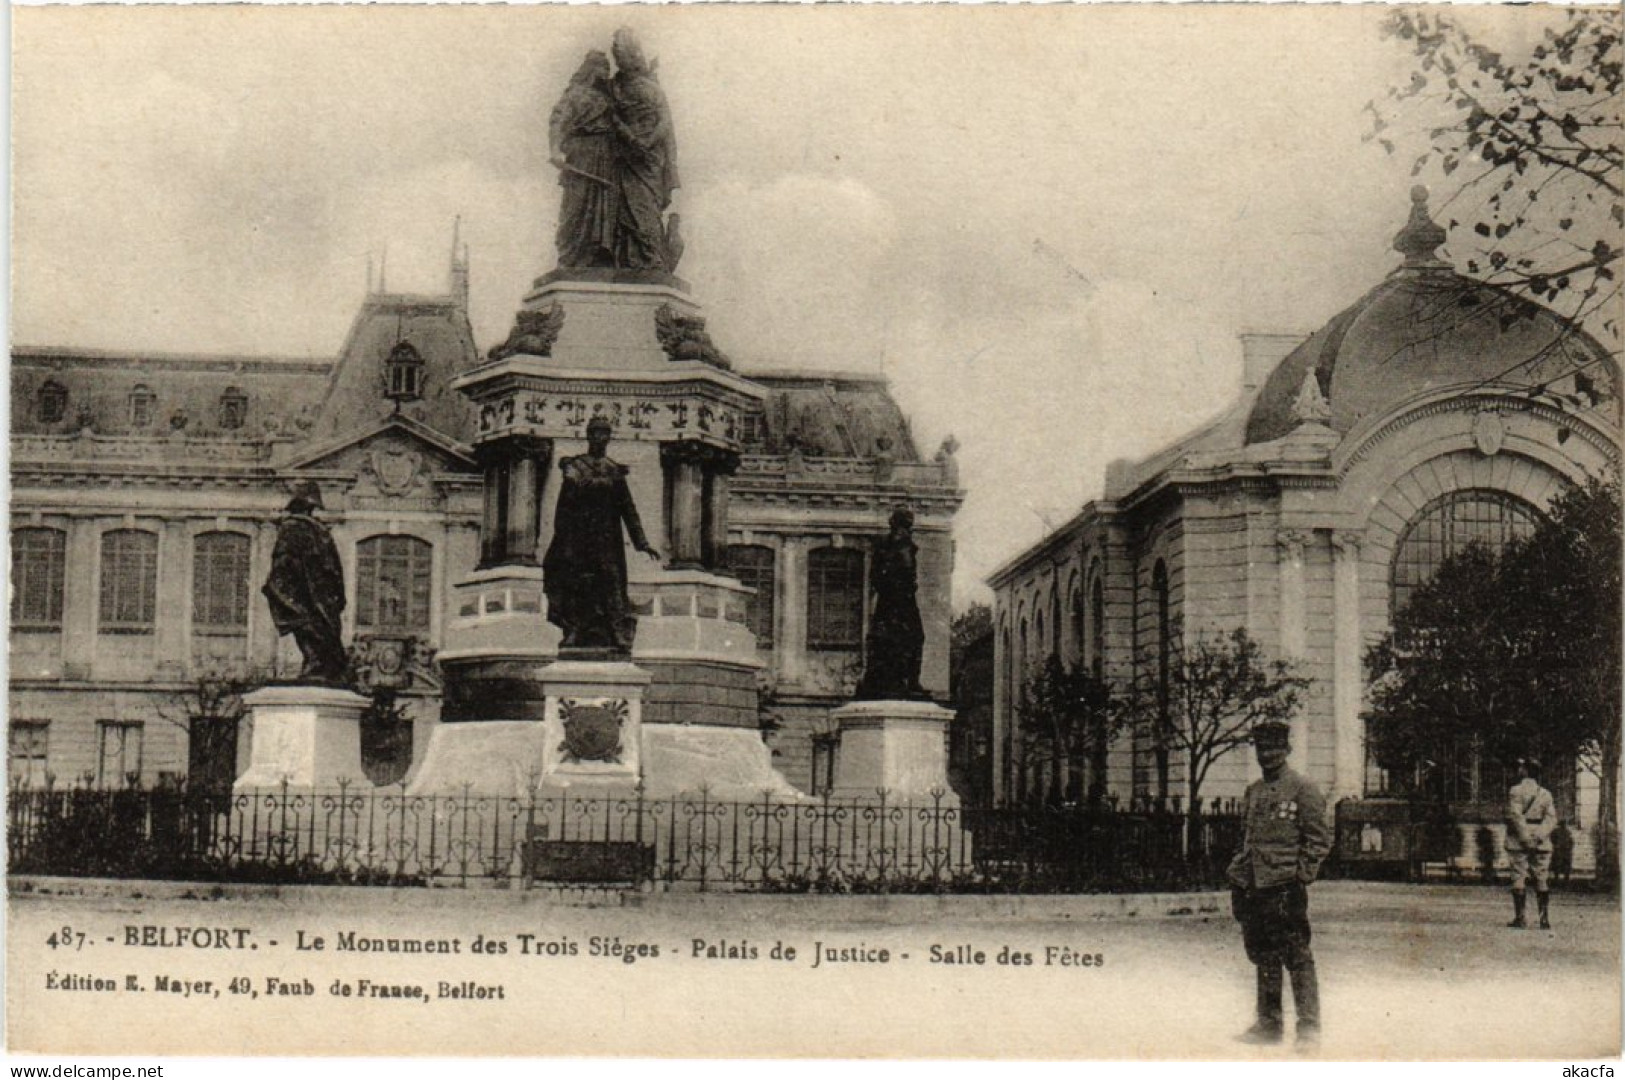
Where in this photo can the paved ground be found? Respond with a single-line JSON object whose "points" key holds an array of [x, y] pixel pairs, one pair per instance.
{"points": [[1407, 972]]}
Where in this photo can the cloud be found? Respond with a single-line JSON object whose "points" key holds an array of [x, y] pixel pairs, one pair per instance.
{"points": [[791, 269]]}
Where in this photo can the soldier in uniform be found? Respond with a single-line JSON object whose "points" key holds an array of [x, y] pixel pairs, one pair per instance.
{"points": [[1286, 837], [1531, 818]]}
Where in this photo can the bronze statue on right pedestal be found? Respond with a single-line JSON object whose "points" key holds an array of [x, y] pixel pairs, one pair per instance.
{"points": [[896, 644]]}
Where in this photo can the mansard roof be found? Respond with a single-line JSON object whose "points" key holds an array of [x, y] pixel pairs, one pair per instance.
{"points": [[134, 394], [280, 394], [831, 414]]}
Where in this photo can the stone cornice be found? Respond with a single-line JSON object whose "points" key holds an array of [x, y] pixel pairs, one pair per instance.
{"points": [[1451, 401], [677, 378], [53, 357], [929, 499]]}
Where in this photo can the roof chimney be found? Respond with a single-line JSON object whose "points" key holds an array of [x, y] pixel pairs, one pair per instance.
{"points": [[1261, 351]]}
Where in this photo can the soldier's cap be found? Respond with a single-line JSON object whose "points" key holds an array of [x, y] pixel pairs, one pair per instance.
{"points": [[600, 423], [1272, 733], [307, 491], [1530, 763]]}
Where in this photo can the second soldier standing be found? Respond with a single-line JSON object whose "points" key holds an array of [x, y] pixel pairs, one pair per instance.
{"points": [[1286, 837]]}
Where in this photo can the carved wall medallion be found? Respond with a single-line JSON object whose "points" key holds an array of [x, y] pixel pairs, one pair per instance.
{"points": [[396, 470], [393, 661], [1489, 432], [592, 731]]}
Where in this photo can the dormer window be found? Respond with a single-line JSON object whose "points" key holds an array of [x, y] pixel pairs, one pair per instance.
{"points": [[142, 403], [233, 409], [53, 402], [405, 369]]}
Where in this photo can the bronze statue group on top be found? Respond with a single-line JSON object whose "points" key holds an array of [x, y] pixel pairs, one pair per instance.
{"points": [[611, 138]]}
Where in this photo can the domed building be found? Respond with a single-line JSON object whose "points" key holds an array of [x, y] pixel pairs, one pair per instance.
{"points": [[1352, 464]]}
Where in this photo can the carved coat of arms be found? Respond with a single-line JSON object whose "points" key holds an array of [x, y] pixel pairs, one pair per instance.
{"points": [[1489, 432], [396, 470], [592, 731]]}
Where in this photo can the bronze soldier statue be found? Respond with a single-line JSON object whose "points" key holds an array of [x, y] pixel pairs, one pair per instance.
{"points": [[584, 571], [891, 669], [306, 588]]}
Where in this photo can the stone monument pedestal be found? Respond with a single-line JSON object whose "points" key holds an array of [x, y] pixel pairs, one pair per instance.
{"points": [[592, 733], [901, 746], [304, 736]]}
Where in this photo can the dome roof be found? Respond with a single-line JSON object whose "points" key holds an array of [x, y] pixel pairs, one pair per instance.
{"points": [[1423, 329]]}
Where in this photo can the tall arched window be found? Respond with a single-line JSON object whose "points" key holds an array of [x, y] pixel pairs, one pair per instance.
{"points": [[752, 564], [1449, 524], [38, 562], [1023, 658], [835, 599], [1079, 641], [394, 582], [1055, 621], [1165, 661], [1040, 642], [129, 588], [1097, 626], [52, 406], [220, 583], [1006, 664]]}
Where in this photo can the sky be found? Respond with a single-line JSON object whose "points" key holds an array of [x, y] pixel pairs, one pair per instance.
{"points": [[1046, 226]]}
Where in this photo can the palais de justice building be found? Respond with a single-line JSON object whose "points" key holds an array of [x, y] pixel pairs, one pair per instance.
{"points": [[146, 489], [1352, 463]]}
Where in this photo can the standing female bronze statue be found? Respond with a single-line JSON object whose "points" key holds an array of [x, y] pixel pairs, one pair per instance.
{"points": [[583, 145]]}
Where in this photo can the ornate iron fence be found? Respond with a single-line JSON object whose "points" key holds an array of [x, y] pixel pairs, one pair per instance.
{"points": [[367, 835]]}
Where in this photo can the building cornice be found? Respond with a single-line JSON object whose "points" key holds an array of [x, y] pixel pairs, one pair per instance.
{"points": [[58, 357]]}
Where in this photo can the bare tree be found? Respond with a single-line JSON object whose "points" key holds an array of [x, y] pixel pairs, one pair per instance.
{"points": [[210, 710], [1529, 133], [1207, 699]]}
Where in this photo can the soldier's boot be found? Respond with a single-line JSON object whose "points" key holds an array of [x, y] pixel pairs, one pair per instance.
{"points": [[1267, 1028], [1306, 1000], [1544, 899], [1518, 922]]}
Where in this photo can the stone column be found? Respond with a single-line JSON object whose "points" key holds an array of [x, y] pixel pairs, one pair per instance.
{"points": [[1290, 543], [685, 504], [792, 614], [173, 618], [720, 469], [526, 477], [494, 510], [1348, 762], [79, 600], [262, 635], [515, 473]]}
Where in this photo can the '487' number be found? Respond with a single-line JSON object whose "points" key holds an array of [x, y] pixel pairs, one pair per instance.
{"points": [[67, 938]]}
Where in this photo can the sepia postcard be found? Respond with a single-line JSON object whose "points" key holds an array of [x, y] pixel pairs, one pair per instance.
{"points": [[944, 532]]}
